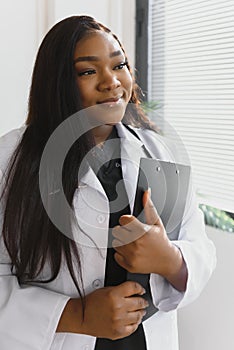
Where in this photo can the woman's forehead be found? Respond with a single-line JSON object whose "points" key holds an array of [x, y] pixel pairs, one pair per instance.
{"points": [[98, 43]]}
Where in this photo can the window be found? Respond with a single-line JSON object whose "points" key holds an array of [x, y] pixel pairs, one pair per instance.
{"points": [[190, 70]]}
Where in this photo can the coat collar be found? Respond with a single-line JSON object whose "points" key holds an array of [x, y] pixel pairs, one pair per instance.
{"points": [[131, 152], [126, 135]]}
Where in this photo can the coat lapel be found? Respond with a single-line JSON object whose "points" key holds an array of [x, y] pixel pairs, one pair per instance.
{"points": [[131, 151], [90, 179]]}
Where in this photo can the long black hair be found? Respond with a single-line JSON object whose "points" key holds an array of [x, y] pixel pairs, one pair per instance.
{"points": [[29, 235]]}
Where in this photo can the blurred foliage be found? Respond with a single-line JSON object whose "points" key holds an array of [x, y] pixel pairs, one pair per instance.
{"points": [[150, 106], [217, 218]]}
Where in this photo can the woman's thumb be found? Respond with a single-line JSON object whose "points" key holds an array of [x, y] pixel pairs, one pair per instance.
{"points": [[151, 215]]}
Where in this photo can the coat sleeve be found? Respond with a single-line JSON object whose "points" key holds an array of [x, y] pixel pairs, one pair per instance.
{"points": [[199, 255], [28, 314]]}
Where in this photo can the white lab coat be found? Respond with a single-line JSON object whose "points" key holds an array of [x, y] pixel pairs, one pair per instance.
{"points": [[29, 314]]}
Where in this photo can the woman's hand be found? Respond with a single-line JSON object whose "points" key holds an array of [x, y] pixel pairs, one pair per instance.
{"points": [[114, 312], [110, 312], [145, 248]]}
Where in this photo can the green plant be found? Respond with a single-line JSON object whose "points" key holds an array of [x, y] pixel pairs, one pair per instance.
{"points": [[217, 218], [150, 106]]}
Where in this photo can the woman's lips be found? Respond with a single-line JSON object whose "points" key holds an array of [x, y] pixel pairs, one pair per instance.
{"points": [[111, 101]]}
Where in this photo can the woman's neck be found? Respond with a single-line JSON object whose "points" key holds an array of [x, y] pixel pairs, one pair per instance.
{"points": [[101, 133]]}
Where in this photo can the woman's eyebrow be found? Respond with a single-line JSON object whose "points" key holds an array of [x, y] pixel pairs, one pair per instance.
{"points": [[116, 53], [95, 58]]}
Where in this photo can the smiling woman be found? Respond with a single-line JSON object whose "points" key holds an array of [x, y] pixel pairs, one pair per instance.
{"points": [[103, 78], [80, 279]]}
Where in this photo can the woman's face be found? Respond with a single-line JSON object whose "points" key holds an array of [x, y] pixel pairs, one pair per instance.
{"points": [[103, 78]]}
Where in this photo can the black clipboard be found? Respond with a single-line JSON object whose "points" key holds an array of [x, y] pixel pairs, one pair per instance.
{"points": [[169, 183]]}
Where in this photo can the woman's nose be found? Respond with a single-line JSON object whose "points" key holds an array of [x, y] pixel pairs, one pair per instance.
{"points": [[108, 81]]}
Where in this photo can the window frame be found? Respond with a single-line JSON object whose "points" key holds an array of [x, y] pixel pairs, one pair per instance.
{"points": [[142, 46]]}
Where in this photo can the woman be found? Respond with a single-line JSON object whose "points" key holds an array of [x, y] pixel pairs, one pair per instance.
{"points": [[63, 293]]}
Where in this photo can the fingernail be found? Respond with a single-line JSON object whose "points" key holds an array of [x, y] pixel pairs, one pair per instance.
{"points": [[143, 292], [149, 191]]}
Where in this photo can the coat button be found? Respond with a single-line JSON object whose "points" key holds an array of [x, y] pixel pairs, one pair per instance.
{"points": [[97, 284], [117, 164], [101, 218]]}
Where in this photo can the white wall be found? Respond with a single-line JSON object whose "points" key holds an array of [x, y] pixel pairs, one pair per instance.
{"points": [[97, 9], [18, 37], [22, 27], [208, 323], [119, 15]]}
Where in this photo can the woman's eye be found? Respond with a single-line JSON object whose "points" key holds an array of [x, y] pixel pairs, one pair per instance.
{"points": [[121, 65], [87, 72]]}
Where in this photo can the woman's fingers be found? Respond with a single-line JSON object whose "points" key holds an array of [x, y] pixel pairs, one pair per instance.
{"points": [[135, 317], [136, 304], [131, 329], [128, 289], [130, 230]]}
